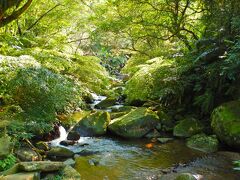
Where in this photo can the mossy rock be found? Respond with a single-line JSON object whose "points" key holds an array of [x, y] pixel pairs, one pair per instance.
{"points": [[94, 124], [154, 80], [135, 124], [106, 103], [226, 123], [203, 143], [115, 115], [187, 128], [60, 152]]}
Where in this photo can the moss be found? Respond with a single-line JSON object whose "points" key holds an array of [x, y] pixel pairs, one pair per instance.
{"points": [[226, 123], [94, 124], [203, 143], [132, 65], [155, 80], [135, 124], [106, 103], [187, 128]]}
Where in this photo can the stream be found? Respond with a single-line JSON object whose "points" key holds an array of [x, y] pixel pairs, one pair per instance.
{"points": [[111, 158]]}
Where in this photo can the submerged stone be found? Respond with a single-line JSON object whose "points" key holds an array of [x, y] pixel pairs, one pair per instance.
{"points": [[226, 123], [135, 124], [203, 143]]}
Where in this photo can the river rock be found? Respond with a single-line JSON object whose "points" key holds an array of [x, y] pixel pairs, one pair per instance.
{"points": [[42, 166], [73, 135], [5, 146], [164, 140], [69, 162], [226, 123], [69, 173], [22, 176], [94, 124], [67, 143], [27, 154], [106, 103], [60, 152], [152, 134], [187, 128], [203, 143], [135, 124]]}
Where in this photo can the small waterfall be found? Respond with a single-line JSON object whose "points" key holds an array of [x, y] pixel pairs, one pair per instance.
{"points": [[63, 136], [97, 99]]}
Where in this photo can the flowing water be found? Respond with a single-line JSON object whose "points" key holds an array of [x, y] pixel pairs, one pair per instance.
{"points": [[111, 158]]}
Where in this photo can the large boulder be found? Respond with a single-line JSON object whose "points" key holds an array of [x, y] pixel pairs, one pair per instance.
{"points": [[226, 123], [187, 128], [203, 143], [135, 124], [94, 124], [156, 79], [5, 146]]}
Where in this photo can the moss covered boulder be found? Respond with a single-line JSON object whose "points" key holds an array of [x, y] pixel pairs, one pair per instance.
{"points": [[157, 79], [226, 123], [95, 124], [203, 143], [187, 128], [135, 124]]}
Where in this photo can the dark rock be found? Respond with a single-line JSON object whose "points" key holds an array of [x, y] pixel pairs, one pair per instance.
{"points": [[152, 134], [73, 135], [67, 143]]}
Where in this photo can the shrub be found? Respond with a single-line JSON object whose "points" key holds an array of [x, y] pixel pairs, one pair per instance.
{"points": [[7, 162]]}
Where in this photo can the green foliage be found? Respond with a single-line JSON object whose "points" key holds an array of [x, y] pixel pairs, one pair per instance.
{"points": [[7, 162], [237, 165], [39, 92], [155, 80]]}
